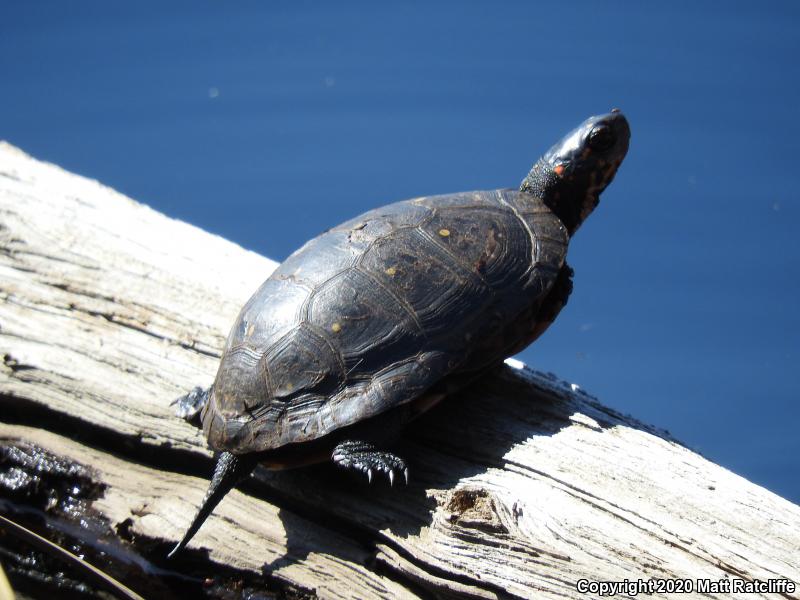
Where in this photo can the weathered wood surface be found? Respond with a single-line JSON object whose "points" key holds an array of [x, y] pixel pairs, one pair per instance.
{"points": [[520, 487]]}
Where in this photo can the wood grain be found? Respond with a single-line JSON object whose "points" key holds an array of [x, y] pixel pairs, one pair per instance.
{"points": [[520, 486]]}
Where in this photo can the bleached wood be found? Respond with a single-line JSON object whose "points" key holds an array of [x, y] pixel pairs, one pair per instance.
{"points": [[520, 486]]}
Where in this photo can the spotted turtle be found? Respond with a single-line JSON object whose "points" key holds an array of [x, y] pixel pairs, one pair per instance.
{"points": [[371, 323]]}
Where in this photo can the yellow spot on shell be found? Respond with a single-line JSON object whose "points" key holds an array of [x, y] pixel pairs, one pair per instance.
{"points": [[391, 271], [336, 328], [444, 232], [250, 329]]}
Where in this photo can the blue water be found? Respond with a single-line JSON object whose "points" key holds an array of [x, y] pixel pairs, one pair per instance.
{"points": [[273, 122]]}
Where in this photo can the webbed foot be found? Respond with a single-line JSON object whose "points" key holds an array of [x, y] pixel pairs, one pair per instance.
{"points": [[365, 458], [189, 406]]}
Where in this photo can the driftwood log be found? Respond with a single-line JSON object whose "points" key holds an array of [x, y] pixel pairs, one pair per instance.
{"points": [[520, 487]]}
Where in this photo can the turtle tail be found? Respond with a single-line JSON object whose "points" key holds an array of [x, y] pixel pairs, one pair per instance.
{"points": [[229, 470]]}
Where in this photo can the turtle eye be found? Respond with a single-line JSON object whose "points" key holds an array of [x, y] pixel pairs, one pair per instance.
{"points": [[601, 138]]}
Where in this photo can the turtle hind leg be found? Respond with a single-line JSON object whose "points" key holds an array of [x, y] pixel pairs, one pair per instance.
{"points": [[363, 457], [189, 406], [229, 470]]}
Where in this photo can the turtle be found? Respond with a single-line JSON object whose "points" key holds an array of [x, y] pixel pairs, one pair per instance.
{"points": [[371, 323]]}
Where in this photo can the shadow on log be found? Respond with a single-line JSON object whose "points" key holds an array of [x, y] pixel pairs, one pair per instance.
{"points": [[520, 487]]}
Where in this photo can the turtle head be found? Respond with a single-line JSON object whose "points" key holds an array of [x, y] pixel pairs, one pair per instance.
{"points": [[571, 175]]}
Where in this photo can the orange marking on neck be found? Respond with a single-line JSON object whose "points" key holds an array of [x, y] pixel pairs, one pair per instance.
{"points": [[559, 169]]}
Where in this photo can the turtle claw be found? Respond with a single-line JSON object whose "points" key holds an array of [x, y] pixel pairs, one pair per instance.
{"points": [[189, 406], [365, 458]]}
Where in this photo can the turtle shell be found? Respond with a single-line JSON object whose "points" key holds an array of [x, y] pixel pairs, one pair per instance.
{"points": [[369, 315]]}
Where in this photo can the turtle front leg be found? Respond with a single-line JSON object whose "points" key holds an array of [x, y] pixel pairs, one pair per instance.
{"points": [[189, 406], [365, 458]]}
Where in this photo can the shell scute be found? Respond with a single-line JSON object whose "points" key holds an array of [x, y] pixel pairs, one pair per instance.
{"points": [[428, 282], [370, 326], [489, 241], [301, 362]]}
